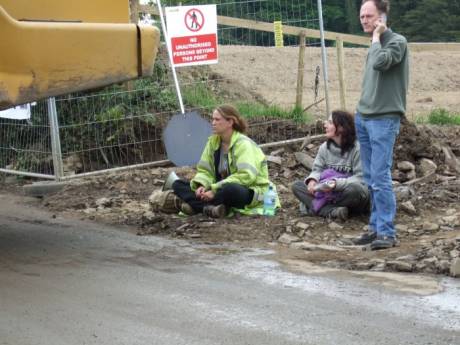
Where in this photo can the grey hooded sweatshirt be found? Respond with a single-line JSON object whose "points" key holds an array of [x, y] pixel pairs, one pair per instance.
{"points": [[330, 158]]}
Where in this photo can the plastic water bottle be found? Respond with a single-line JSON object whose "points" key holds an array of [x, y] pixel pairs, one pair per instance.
{"points": [[270, 202]]}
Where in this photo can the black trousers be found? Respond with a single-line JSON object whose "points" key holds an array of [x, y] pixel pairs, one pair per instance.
{"points": [[231, 195], [355, 197]]}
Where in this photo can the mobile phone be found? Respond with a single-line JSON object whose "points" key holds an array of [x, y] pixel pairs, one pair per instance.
{"points": [[383, 18]]}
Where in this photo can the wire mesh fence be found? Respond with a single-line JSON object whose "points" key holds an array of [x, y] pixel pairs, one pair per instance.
{"points": [[122, 125], [248, 56], [116, 128], [25, 145]]}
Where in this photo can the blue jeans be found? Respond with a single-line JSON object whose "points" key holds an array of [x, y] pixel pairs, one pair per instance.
{"points": [[377, 138]]}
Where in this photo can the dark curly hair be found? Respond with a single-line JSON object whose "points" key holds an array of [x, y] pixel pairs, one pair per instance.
{"points": [[344, 122]]}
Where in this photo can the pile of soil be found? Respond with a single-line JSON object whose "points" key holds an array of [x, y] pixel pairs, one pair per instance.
{"points": [[428, 218]]}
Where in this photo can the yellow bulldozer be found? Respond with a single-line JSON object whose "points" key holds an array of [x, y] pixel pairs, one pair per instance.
{"points": [[53, 47]]}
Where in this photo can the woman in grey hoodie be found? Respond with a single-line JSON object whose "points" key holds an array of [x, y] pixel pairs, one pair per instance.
{"points": [[335, 188]]}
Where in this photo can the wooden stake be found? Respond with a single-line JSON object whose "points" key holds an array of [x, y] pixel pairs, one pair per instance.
{"points": [[300, 69], [340, 64]]}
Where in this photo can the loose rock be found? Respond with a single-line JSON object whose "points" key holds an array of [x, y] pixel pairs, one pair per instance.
{"points": [[408, 207], [304, 159], [406, 166], [427, 166], [400, 266], [455, 268], [288, 239]]}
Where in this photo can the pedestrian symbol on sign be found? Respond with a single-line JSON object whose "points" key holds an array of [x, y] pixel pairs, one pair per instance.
{"points": [[194, 20]]}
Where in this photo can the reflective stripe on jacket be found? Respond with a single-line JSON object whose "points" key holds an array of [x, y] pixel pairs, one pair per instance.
{"points": [[247, 165]]}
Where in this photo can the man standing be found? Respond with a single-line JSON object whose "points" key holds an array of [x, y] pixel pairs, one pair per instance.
{"points": [[378, 115]]}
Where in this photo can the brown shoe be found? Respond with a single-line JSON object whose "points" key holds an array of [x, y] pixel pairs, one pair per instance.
{"points": [[182, 206], [219, 211], [187, 209], [177, 202]]}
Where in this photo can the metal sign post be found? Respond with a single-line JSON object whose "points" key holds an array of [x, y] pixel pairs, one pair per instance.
{"points": [[171, 61], [55, 139], [324, 58], [186, 134]]}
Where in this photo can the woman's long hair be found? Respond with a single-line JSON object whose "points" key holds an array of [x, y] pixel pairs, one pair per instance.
{"points": [[229, 112], [346, 122]]}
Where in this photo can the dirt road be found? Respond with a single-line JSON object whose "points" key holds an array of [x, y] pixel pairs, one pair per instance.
{"points": [[72, 282]]}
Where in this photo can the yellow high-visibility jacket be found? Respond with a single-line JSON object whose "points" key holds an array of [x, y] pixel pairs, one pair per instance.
{"points": [[247, 165]]}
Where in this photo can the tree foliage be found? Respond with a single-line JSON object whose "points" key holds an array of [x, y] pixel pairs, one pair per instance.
{"points": [[432, 20], [418, 20]]}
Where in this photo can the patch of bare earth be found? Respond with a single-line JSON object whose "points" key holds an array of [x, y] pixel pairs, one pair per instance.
{"points": [[272, 73], [428, 218], [425, 172]]}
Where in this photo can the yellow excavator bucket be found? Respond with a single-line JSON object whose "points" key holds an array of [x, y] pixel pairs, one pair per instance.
{"points": [[43, 56], [86, 11]]}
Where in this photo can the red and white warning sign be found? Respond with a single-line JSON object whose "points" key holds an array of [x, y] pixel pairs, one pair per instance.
{"points": [[192, 32]]}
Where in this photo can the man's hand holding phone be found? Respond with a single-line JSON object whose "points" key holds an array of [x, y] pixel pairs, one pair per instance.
{"points": [[380, 27]]}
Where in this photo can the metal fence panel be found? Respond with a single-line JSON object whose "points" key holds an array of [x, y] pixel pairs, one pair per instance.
{"points": [[122, 126], [113, 129], [25, 145]]}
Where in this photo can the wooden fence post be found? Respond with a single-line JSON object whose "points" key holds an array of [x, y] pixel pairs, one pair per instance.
{"points": [[300, 69], [340, 65]]}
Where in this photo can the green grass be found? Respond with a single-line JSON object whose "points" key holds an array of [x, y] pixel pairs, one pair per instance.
{"points": [[440, 116], [199, 96]]}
